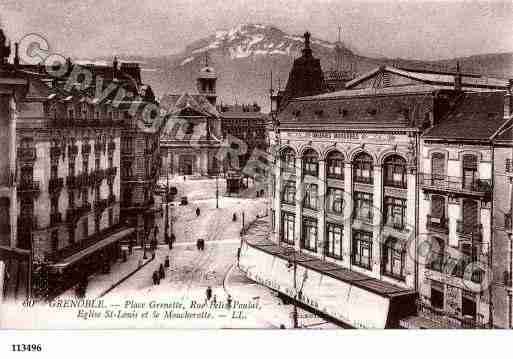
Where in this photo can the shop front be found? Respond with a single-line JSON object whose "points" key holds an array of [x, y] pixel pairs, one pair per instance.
{"points": [[351, 298]]}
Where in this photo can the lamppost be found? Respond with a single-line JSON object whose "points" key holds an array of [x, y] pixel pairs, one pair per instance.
{"points": [[294, 310], [166, 225], [217, 189]]}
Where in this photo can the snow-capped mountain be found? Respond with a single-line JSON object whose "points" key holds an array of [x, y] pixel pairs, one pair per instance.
{"points": [[245, 55]]}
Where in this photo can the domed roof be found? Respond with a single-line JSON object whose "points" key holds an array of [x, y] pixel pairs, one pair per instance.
{"points": [[207, 72]]}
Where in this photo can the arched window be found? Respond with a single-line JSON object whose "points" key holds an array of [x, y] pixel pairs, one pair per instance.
{"points": [[335, 165], [288, 160], [395, 172], [437, 169], [436, 255], [470, 174], [363, 168], [311, 163], [393, 258]]}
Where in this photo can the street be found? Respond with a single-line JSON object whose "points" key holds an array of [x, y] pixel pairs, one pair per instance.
{"points": [[192, 271]]}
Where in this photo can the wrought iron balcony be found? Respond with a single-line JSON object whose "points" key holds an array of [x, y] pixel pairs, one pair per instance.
{"points": [[55, 185], [471, 230], [362, 179], [452, 184], [28, 186], [55, 218], [440, 225], [26, 154]]}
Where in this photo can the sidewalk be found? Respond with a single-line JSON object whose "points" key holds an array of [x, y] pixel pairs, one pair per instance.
{"points": [[101, 283]]}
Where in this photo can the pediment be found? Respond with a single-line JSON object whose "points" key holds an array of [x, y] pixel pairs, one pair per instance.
{"points": [[385, 78]]}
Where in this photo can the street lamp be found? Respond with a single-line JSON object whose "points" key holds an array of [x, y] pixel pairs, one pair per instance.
{"points": [[217, 189], [294, 312]]}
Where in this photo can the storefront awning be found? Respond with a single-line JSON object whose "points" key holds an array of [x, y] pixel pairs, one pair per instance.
{"points": [[91, 249], [347, 296]]}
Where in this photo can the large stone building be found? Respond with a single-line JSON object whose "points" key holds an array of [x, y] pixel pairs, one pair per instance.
{"points": [[68, 178], [191, 137], [349, 200]]}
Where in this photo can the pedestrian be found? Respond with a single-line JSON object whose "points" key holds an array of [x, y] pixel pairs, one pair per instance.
{"points": [[208, 293], [198, 245], [202, 244], [197, 212], [155, 277], [162, 272], [234, 218], [153, 254], [155, 232], [166, 262], [184, 178], [214, 300]]}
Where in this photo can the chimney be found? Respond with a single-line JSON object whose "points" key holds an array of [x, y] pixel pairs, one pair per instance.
{"points": [[16, 54], [457, 78]]}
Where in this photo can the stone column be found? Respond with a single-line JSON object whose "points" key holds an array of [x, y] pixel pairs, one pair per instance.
{"points": [[348, 212], [321, 219], [377, 221], [299, 202], [411, 224]]}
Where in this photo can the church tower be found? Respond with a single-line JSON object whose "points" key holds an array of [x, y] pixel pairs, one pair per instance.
{"points": [[206, 82]]}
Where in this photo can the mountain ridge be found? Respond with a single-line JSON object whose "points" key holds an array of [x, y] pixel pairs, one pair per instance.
{"points": [[245, 55]]}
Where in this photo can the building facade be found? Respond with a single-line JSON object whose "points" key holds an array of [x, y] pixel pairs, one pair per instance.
{"points": [[191, 137], [367, 177], [67, 182]]}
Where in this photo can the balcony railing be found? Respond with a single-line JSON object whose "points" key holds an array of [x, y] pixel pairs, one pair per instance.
{"points": [[28, 186], [395, 183], [26, 154], [456, 184], [473, 230], [76, 247], [55, 218], [363, 179], [447, 320], [55, 185], [80, 122], [435, 224], [71, 181]]}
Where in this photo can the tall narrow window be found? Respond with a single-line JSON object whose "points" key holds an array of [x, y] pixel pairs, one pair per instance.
{"points": [[310, 196], [470, 223], [395, 212], [288, 160], [334, 233], [335, 165], [363, 206], [362, 249], [437, 169], [470, 174], [395, 172], [288, 221], [310, 163], [289, 192], [363, 169], [393, 258], [309, 238], [335, 200]]}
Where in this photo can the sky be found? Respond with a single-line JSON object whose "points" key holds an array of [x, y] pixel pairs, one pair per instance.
{"points": [[424, 30]]}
